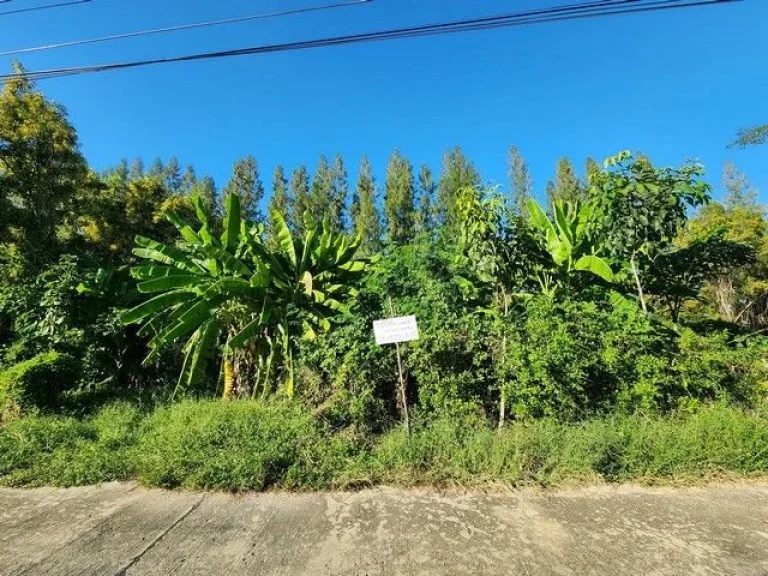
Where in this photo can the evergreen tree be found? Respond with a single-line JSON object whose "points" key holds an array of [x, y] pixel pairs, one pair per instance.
{"points": [[205, 187], [279, 201], [567, 185], [340, 193], [299, 191], [321, 194], [591, 168], [173, 175], [157, 170], [458, 173], [120, 172], [366, 221], [739, 192], [399, 209], [425, 218], [137, 170], [188, 180], [520, 182], [246, 183]]}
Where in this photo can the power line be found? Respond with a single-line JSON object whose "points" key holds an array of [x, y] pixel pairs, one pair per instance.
{"points": [[43, 7], [582, 10], [180, 27]]}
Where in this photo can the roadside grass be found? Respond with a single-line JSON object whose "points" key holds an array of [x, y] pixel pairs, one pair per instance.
{"points": [[239, 446]]}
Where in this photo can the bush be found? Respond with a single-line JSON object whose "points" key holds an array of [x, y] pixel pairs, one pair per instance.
{"points": [[36, 382]]}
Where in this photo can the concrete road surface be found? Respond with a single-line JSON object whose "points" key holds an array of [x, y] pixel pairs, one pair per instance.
{"points": [[120, 529]]}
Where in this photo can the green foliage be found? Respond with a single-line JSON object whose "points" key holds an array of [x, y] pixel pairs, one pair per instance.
{"points": [[678, 275], [568, 243], [253, 446], [238, 446], [712, 442], [399, 200], [751, 136], [366, 221], [41, 170], [65, 451], [37, 382], [641, 208], [458, 173]]}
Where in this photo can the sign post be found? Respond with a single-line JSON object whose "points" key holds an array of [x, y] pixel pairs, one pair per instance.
{"points": [[394, 331]]}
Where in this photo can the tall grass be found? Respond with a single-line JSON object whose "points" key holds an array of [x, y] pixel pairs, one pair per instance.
{"points": [[254, 446]]}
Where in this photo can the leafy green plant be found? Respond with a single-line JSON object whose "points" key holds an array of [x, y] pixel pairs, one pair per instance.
{"points": [[569, 244], [36, 382], [640, 209]]}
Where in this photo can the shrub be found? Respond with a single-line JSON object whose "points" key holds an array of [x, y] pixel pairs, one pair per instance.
{"points": [[36, 382]]}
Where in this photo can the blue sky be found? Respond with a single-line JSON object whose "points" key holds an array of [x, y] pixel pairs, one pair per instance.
{"points": [[675, 85]]}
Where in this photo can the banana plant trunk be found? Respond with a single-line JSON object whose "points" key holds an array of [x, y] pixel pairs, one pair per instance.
{"points": [[229, 378]]}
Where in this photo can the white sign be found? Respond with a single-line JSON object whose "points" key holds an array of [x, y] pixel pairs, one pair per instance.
{"points": [[392, 330]]}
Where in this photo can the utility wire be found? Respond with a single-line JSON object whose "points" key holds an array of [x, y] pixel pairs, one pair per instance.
{"points": [[554, 14], [43, 7], [180, 27]]}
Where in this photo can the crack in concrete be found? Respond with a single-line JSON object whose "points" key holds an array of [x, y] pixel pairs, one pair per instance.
{"points": [[124, 570]]}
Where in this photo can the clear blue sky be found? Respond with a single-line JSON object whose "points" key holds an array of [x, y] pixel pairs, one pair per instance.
{"points": [[674, 84]]}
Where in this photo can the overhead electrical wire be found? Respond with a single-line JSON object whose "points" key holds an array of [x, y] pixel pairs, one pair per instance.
{"points": [[44, 7], [181, 27], [583, 10]]}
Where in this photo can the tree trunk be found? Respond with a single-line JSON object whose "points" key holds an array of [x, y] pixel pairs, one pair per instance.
{"points": [[229, 378], [639, 285], [725, 294]]}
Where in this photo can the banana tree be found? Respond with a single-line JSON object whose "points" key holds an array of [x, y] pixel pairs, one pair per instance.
{"points": [[206, 291], [312, 278], [567, 242]]}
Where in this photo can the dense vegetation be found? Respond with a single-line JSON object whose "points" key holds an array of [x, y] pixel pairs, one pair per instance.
{"points": [[614, 331]]}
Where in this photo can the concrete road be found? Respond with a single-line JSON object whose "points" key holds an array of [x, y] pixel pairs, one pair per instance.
{"points": [[120, 529]]}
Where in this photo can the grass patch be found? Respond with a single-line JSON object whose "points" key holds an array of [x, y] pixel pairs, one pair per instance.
{"points": [[241, 446]]}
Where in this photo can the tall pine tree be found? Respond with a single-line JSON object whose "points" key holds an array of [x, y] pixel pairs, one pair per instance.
{"points": [[566, 185], [246, 183], [137, 170], [340, 193], [425, 218], [399, 195], [172, 175], [321, 192], [205, 187], [279, 202], [458, 173], [520, 182], [299, 191], [366, 221], [188, 180]]}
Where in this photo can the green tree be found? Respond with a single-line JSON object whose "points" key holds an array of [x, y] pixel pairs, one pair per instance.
{"points": [[425, 218], [340, 193], [279, 202], [246, 184], [157, 170], [520, 182], [321, 195], [299, 191], [591, 168], [366, 222], [173, 175], [739, 295], [205, 187], [641, 209], [137, 169], [188, 180], [399, 209], [566, 186], [458, 173], [41, 170]]}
